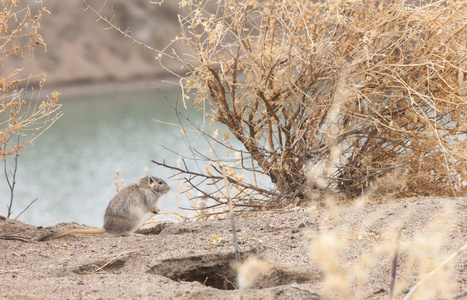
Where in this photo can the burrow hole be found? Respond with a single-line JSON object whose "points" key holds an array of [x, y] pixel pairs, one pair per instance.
{"points": [[214, 270]]}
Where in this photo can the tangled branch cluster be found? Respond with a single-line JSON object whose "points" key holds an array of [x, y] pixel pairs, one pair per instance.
{"points": [[20, 117], [21, 120], [340, 96]]}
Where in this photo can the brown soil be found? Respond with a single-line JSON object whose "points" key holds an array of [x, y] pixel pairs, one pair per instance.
{"points": [[186, 261]]}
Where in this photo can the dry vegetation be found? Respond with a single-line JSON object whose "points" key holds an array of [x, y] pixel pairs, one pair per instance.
{"points": [[418, 259], [351, 98], [23, 115], [339, 96]]}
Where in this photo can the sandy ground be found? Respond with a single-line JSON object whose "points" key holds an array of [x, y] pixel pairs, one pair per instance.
{"points": [[193, 260]]}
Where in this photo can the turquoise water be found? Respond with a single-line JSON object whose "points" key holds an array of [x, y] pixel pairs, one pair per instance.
{"points": [[71, 167]]}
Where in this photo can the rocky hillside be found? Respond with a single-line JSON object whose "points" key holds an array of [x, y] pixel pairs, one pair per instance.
{"points": [[82, 50]]}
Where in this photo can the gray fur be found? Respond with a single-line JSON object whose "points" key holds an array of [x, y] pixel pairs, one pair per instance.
{"points": [[127, 207]]}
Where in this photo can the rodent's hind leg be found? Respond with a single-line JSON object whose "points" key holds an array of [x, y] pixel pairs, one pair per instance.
{"points": [[121, 224]]}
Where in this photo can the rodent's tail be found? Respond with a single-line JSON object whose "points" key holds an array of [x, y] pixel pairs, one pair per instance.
{"points": [[72, 231]]}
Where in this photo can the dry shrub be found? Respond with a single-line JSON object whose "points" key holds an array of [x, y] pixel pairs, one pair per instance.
{"points": [[354, 250], [20, 37], [23, 117], [341, 96], [359, 90]]}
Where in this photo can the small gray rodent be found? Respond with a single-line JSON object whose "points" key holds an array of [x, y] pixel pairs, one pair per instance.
{"points": [[126, 209]]}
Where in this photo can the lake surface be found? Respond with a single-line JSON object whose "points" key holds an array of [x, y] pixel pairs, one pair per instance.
{"points": [[71, 167]]}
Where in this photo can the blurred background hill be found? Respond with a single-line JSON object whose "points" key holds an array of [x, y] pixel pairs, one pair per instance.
{"points": [[82, 50]]}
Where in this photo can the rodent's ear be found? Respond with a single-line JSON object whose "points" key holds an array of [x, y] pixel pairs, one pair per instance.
{"points": [[151, 179]]}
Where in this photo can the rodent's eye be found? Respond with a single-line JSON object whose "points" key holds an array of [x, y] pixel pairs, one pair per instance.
{"points": [[160, 182]]}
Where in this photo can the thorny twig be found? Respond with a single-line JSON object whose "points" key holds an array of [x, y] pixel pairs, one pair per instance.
{"points": [[11, 182], [12, 237], [232, 217], [432, 273], [32, 202], [394, 265], [218, 178]]}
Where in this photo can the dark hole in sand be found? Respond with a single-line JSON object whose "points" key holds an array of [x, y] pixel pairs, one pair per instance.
{"points": [[211, 270], [214, 270]]}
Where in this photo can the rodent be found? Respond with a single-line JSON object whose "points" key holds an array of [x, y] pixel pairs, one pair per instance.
{"points": [[126, 209]]}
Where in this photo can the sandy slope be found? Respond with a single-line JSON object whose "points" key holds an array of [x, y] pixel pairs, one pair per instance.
{"points": [[173, 263]]}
